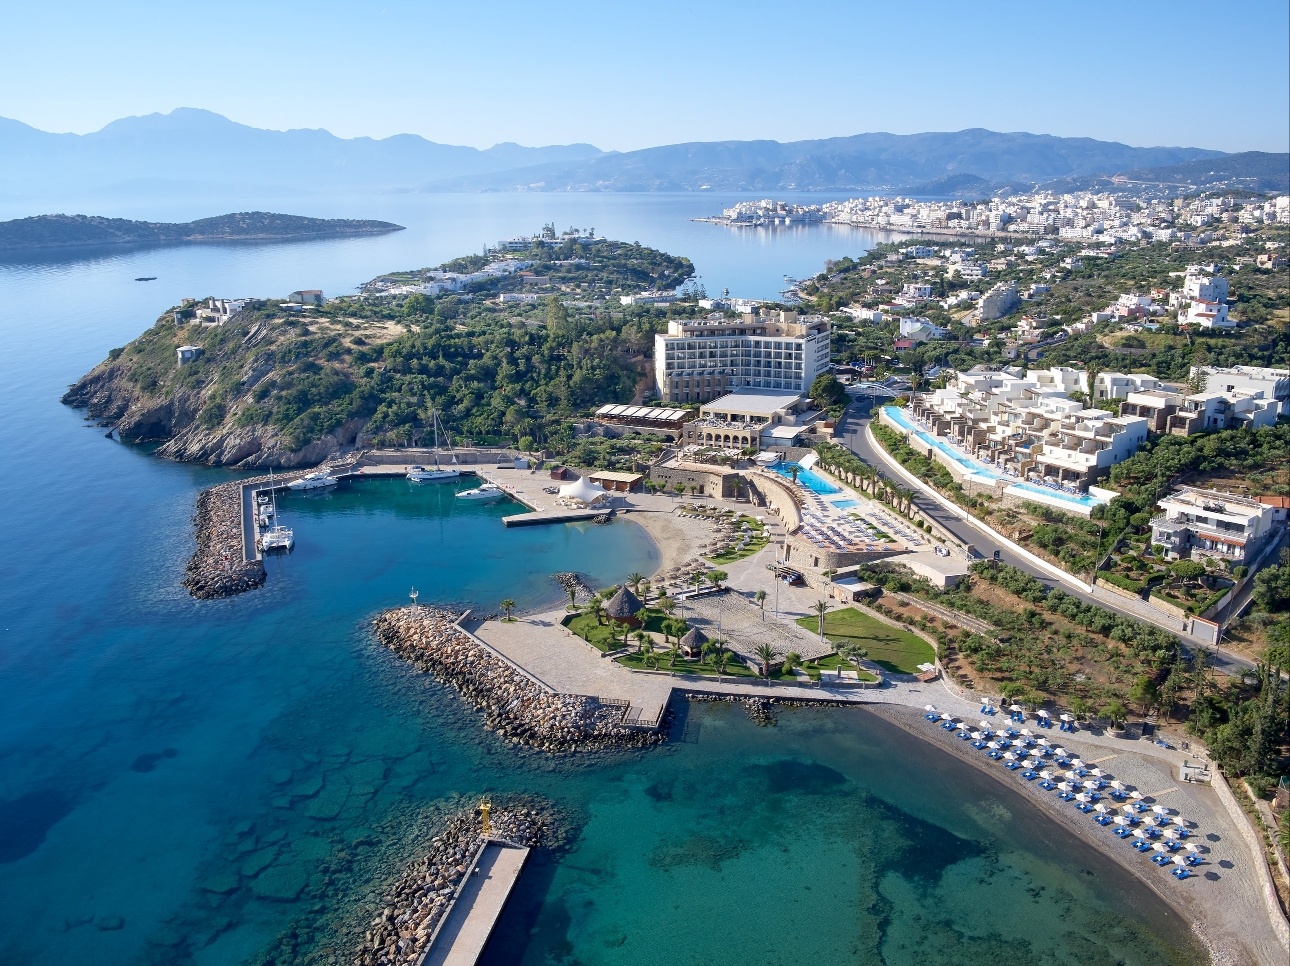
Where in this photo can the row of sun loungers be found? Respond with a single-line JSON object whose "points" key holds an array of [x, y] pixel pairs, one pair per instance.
{"points": [[1162, 834]]}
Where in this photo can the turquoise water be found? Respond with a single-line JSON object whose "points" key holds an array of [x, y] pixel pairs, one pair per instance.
{"points": [[981, 469], [845, 504], [199, 782], [812, 481]]}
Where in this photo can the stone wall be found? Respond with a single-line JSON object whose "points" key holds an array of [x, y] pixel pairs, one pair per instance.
{"points": [[716, 482]]}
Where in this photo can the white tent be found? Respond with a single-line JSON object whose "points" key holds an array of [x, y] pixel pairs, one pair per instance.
{"points": [[584, 491]]}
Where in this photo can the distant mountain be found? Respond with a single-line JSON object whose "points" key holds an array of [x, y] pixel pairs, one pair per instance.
{"points": [[1247, 171], [193, 150], [861, 162], [966, 186], [195, 146], [58, 231]]}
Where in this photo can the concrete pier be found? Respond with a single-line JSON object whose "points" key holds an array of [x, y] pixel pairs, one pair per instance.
{"points": [[463, 932]]}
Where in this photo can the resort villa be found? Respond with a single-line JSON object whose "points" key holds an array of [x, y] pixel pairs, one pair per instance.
{"points": [[751, 419], [1206, 523]]}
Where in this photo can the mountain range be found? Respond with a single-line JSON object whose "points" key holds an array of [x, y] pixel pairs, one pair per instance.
{"points": [[195, 147]]}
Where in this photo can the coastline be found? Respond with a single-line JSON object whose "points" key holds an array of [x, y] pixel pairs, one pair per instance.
{"points": [[1223, 930]]}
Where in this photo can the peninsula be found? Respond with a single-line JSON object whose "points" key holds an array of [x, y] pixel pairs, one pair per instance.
{"points": [[78, 231]]}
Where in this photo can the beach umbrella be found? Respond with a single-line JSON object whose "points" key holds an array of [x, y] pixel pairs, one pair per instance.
{"points": [[1179, 861], [1077, 762], [1010, 756], [962, 724], [1139, 834], [1136, 795], [1071, 775], [1193, 848], [945, 716], [1042, 713], [1060, 751], [1180, 821], [1096, 771], [993, 744], [1121, 820], [1160, 847], [1067, 717], [1160, 809], [1014, 707], [984, 724], [1044, 742], [1081, 797], [1171, 835], [1026, 732], [976, 735], [1046, 773], [929, 707], [1034, 763], [1100, 808], [1118, 785], [1090, 784]]}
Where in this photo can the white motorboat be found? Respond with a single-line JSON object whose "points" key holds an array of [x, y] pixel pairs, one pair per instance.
{"points": [[485, 491], [422, 474], [313, 481]]}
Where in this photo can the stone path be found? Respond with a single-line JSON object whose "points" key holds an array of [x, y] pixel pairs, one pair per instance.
{"points": [[470, 921]]}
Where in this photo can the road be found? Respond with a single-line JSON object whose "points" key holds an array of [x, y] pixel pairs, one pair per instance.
{"points": [[852, 434]]}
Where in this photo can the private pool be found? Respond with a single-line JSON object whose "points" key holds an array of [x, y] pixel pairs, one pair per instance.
{"points": [[812, 481]]}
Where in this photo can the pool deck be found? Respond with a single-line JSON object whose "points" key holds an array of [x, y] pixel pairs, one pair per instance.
{"points": [[465, 929]]}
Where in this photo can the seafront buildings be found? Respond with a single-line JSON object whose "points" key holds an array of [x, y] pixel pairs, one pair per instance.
{"points": [[697, 360]]}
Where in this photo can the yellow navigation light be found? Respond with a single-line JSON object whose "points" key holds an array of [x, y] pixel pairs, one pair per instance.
{"points": [[484, 811]]}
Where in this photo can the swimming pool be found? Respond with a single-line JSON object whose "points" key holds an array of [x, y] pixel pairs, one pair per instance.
{"points": [[812, 481], [977, 468], [845, 504]]}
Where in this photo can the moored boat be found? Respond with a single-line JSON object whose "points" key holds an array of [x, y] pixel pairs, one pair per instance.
{"points": [[485, 491], [313, 481]]}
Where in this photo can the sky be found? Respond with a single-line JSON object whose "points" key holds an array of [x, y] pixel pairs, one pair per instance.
{"points": [[625, 76]]}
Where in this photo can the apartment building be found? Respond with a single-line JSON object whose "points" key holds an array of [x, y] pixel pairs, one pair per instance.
{"points": [[698, 360], [1205, 523], [999, 301], [1030, 430], [1248, 380]]}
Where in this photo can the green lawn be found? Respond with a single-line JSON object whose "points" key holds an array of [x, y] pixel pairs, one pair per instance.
{"points": [[833, 662], [889, 647], [605, 637], [634, 660]]}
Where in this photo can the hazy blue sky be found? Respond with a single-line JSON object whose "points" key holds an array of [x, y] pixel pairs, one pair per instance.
{"points": [[623, 76]]}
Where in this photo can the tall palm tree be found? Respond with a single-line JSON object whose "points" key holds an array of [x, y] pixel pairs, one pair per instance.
{"points": [[508, 605], [821, 608], [793, 470], [641, 638], [697, 578], [647, 652], [635, 580], [721, 659], [760, 597], [673, 653], [596, 608], [573, 596], [765, 654]]}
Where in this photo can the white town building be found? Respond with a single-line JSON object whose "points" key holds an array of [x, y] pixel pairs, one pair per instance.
{"points": [[1205, 523]]}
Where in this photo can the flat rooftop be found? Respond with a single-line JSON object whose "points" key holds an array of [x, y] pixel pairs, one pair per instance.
{"points": [[760, 402]]}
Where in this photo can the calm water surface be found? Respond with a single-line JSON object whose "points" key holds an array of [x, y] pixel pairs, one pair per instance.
{"points": [[175, 776]]}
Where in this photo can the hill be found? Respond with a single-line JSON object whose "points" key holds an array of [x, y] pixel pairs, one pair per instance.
{"points": [[863, 162], [1248, 171], [56, 231], [275, 387]]}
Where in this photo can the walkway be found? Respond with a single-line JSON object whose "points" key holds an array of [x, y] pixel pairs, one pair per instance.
{"points": [[461, 938]]}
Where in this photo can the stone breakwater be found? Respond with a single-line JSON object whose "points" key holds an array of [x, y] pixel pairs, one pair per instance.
{"points": [[217, 567], [582, 591], [415, 903], [515, 707]]}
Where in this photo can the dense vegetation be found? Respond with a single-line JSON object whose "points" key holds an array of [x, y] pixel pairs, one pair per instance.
{"points": [[495, 372]]}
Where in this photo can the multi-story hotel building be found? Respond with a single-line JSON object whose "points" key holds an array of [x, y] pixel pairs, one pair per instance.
{"points": [[1206, 523], [698, 360]]}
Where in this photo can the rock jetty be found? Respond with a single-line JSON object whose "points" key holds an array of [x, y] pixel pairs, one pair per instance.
{"points": [[582, 591], [217, 568], [413, 906], [515, 707]]}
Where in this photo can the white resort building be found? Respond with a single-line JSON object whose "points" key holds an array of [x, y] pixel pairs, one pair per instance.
{"points": [[1029, 427], [1206, 523], [751, 419], [700, 359]]}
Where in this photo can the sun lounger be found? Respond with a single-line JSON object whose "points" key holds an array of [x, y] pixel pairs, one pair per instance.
{"points": [[1181, 873]]}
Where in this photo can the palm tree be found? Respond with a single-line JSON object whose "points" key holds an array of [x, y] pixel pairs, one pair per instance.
{"points": [[641, 638], [793, 470], [644, 594], [707, 652], [635, 580], [821, 608], [791, 660], [673, 654], [573, 596], [715, 577], [721, 659], [508, 605], [696, 578], [666, 604], [647, 653], [765, 654], [760, 597], [596, 608]]}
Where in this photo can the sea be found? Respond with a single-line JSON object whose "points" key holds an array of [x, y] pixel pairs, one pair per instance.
{"points": [[235, 781]]}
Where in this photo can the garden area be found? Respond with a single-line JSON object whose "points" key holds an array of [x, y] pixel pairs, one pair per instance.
{"points": [[891, 648], [1191, 585]]}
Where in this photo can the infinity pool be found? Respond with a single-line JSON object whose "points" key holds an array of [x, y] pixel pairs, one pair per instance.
{"points": [[977, 468], [812, 481]]}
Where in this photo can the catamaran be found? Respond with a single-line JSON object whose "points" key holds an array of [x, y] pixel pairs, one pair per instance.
{"points": [[313, 481], [276, 537], [420, 474], [485, 491]]}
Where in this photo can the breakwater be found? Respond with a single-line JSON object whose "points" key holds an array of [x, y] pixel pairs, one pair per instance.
{"points": [[218, 567], [515, 707], [417, 900]]}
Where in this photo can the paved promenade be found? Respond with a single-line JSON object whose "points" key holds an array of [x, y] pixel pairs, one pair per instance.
{"points": [[465, 930]]}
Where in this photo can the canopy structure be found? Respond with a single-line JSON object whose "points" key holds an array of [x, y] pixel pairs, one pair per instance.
{"points": [[584, 491], [692, 643], [623, 606]]}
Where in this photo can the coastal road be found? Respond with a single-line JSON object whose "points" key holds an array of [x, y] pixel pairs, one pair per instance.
{"points": [[851, 433]]}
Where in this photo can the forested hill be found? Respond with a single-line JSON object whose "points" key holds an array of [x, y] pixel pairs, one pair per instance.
{"points": [[274, 387], [57, 231]]}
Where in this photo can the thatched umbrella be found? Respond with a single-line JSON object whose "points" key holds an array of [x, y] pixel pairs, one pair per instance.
{"points": [[693, 641]]}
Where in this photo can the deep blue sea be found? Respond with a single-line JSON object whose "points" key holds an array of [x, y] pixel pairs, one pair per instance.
{"points": [[185, 782]]}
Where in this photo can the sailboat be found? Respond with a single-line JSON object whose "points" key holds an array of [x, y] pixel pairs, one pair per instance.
{"points": [[276, 537], [420, 474]]}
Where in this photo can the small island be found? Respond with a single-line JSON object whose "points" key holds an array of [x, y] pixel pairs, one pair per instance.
{"points": [[86, 231]]}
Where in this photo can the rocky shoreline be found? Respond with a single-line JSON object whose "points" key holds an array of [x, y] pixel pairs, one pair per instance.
{"points": [[415, 903], [217, 568], [571, 582], [515, 707]]}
